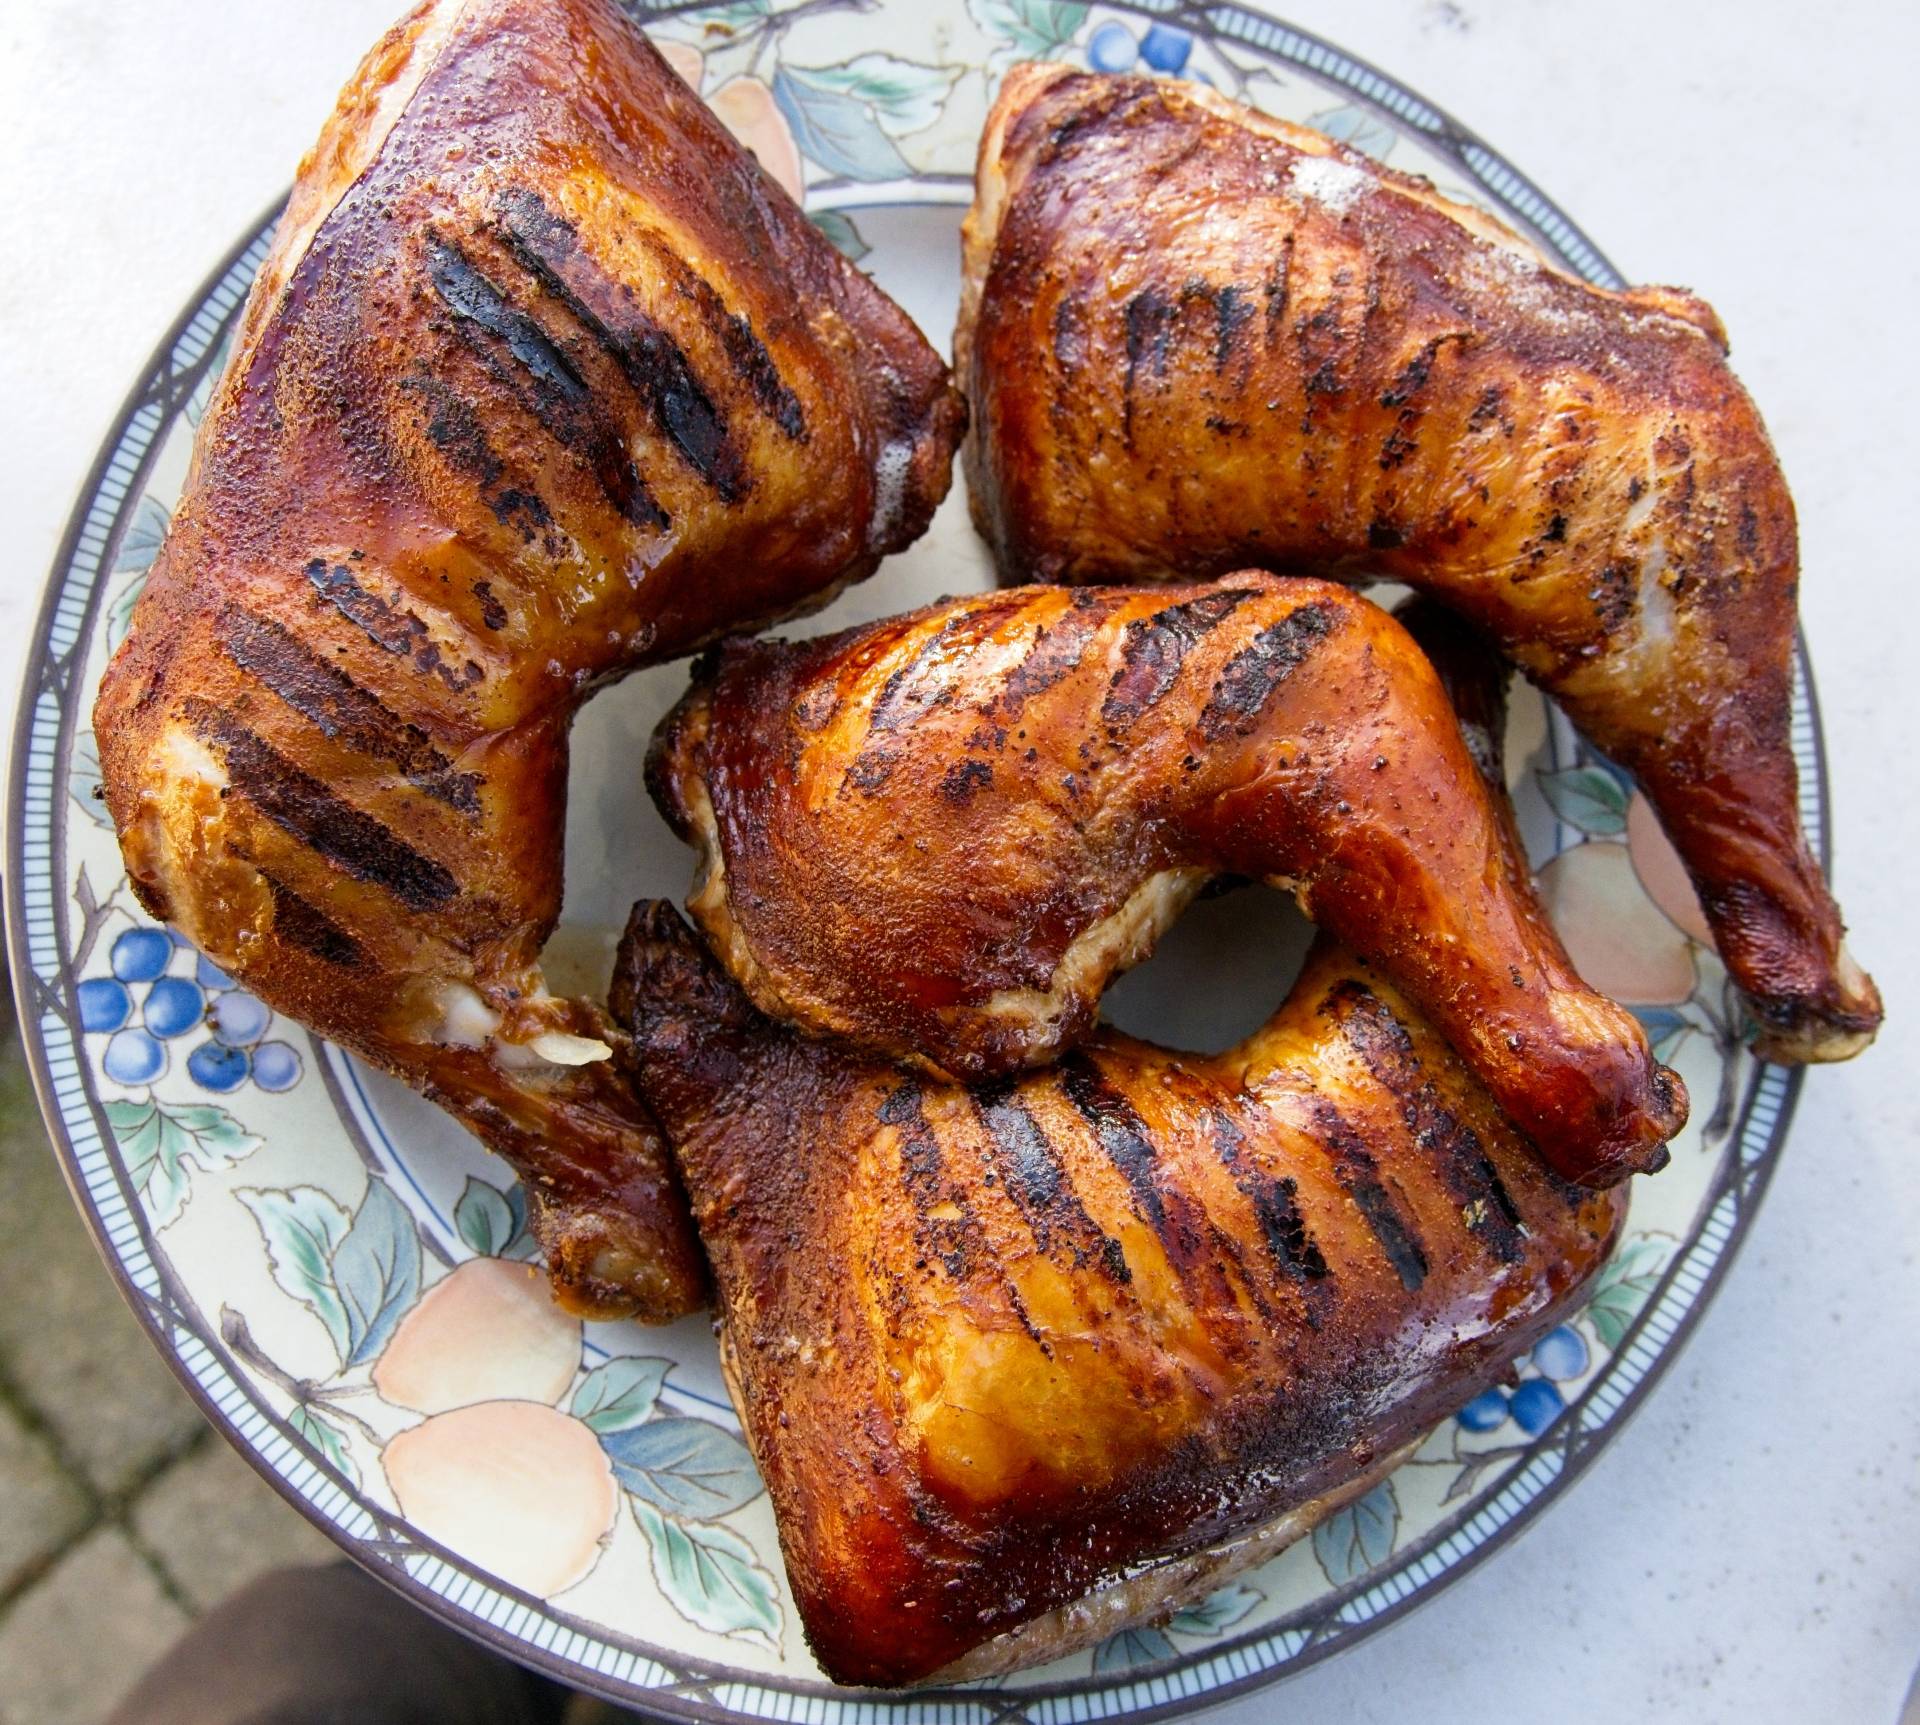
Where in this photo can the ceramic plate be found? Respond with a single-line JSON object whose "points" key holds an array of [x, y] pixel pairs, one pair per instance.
{"points": [[339, 1274]]}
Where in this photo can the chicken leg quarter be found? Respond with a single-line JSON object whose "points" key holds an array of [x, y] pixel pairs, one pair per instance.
{"points": [[940, 835], [1196, 338], [541, 381]]}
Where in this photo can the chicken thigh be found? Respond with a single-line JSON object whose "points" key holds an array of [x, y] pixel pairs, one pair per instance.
{"points": [[1027, 1361]]}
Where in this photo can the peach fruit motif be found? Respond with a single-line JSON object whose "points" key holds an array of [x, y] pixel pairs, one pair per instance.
{"points": [[520, 1489], [1619, 940], [488, 1331], [1662, 872]]}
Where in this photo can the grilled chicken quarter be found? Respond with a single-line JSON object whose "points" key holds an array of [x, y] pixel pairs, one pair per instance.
{"points": [[939, 836], [1196, 338], [542, 380]]}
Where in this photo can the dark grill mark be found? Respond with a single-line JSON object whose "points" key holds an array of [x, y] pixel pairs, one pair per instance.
{"points": [[386, 625], [1414, 374], [492, 613], [1292, 1248], [653, 363], [1121, 1132], [1231, 314], [944, 1237], [1279, 279], [1149, 319], [1386, 1049], [963, 779], [301, 806], [1038, 1185], [455, 430], [343, 710], [1155, 647], [745, 351], [905, 694], [1255, 672], [309, 928], [546, 382], [1054, 654], [470, 296], [1359, 1175], [918, 687]]}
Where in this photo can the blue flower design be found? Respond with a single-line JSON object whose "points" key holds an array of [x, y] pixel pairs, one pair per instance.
{"points": [[159, 991]]}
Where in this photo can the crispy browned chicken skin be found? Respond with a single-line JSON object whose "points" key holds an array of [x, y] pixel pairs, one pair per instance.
{"points": [[1197, 338], [941, 835], [542, 380], [1119, 1328], [1096, 1338]]}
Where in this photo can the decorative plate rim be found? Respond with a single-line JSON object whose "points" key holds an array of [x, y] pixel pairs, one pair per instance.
{"points": [[36, 816]]}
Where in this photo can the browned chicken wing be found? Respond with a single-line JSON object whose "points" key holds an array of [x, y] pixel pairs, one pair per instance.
{"points": [[542, 380], [1027, 1361], [1197, 338], [941, 835]]}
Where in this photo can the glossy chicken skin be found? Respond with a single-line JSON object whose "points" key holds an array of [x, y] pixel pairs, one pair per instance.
{"points": [[1196, 338], [542, 380], [941, 835], [1088, 1331]]}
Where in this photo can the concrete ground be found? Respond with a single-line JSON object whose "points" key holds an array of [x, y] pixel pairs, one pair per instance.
{"points": [[123, 1516]]}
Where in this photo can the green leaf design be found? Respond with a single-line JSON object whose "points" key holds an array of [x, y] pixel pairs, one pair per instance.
{"points": [[1221, 1609], [493, 1221], [484, 1218], [838, 226], [1133, 1647], [1359, 127], [1359, 1537], [620, 1394], [162, 1142], [905, 96], [377, 1271], [711, 1577], [326, 1437], [120, 611], [145, 535], [684, 1466], [840, 132], [1589, 798], [83, 782], [303, 1228], [1623, 1287], [1029, 29]]}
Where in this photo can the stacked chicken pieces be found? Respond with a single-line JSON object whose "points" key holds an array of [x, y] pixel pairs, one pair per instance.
{"points": [[1036, 1330]]}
